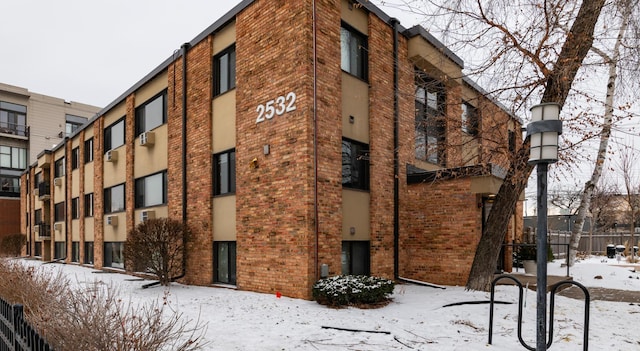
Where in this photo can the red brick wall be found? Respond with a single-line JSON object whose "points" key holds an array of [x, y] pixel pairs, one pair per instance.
{"points": [[381, 130], [439, 242], [10, 216], [98, 193], [275, 232]]}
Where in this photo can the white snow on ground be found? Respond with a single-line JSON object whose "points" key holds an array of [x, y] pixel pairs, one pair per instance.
{"points": [[415, 320]]}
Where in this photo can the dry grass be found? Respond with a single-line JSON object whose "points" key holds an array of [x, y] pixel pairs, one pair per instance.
{"points": [[96, 318]]}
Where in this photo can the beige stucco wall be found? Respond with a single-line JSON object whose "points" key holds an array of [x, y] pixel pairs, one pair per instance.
{"points": [[355, 102], [224, 218], [355, 17], [224, 38], [151, 158], [224, 122], [355, 214], [159, 212]]}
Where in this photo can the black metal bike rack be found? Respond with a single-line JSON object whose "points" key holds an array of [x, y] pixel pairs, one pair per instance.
{"points": [[554, 288]]}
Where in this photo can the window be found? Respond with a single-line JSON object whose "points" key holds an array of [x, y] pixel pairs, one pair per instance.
{"points": [[37, 180], [355, 165], [13, 157], [59, 167], [151, 114], [75, 157], [9, 186], [512, 141], [355, 257], [59, 212], [224, 70], [13, 118], [88, 205], [37, 216], [59, 250], [75, 208], [353, 49], [225, 261], [114, 255], [88, 252], [114, 199], [469, 119], [75, 251], [88, 150], [224, 172], [73, 123], [430, 111], [151, 190], [37, 252], [114, 135]]}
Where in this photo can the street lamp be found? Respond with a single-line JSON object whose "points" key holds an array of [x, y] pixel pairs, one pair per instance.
{"points": [[543, 131]]}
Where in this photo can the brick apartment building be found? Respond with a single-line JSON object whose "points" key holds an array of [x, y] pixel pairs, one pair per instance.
{"points": [[29, 122], [296, 139]]}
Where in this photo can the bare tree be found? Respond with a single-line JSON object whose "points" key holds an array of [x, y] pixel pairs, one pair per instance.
{"points": [[157, 246], [629, 160], [621, 15]]}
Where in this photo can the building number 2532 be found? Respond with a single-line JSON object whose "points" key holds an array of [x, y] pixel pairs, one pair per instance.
{"points": [[276, 107]]}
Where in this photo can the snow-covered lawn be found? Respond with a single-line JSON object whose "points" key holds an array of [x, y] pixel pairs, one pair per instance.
{"points": [[415, 320]]}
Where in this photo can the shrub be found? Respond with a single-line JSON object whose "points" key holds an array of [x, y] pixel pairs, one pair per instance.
{"points": [[94, 318], [156, 246], [11, 244], [352, 290]]}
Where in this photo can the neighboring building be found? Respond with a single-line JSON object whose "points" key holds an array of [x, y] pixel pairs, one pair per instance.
{"points": [[281, 156], [29, 123]]}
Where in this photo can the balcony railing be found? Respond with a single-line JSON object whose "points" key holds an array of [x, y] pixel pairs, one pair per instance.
{"points": [[44, 190], [44, 230], [13, 128]]}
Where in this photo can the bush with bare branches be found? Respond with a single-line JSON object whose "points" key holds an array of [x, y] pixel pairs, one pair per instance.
{"points": [[11, 244], [156, 246], [95, 318]]}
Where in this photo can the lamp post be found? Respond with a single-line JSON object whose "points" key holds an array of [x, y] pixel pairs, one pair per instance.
{"points": [[543, 130]]}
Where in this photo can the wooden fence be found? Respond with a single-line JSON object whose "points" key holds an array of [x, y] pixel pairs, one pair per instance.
{"points": [[15, 332], [597, 242]]}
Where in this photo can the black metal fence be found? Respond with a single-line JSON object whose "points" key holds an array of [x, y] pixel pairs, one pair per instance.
{"points": [[15, 332]]}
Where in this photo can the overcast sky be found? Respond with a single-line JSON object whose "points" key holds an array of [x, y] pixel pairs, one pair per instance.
{"points": [[93, 51]]}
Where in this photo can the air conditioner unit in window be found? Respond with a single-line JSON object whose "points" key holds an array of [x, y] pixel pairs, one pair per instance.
{"points": [[112, 220], [148, 214], [57, 181], [36, 229], [147, 139], [111, 156], [57, 227]]}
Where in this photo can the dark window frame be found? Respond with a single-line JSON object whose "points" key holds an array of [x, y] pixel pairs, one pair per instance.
{"points": [[59, 167], [114, 254], [88, 252], [140, 187], [16, 118], [430, 124], [142, 124], [75, 208], [230, 275], [88, 150], [75, 158], [350, 257], [108, 199], [470, 118], [224, 174], [17, 157], [59, 212], [108, 135], [75, 251], [229, 69], [358, 66], [355, 165], [88, 205]]}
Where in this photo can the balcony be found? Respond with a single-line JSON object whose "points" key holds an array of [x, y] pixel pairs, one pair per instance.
{"points": [[44, 191], [20, 130], [44, 231]]}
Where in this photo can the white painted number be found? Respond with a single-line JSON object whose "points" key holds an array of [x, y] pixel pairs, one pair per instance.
{"points": [[276, 107]]}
